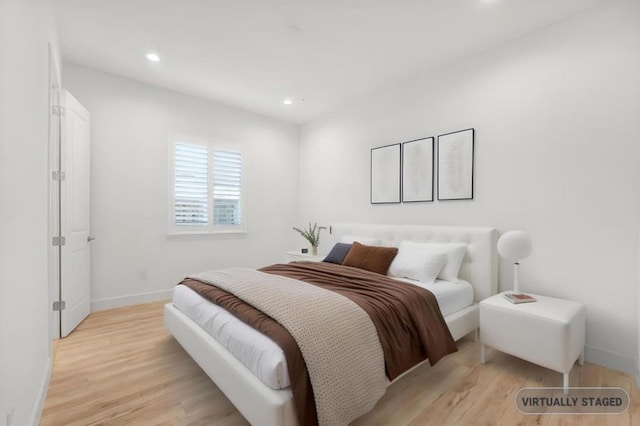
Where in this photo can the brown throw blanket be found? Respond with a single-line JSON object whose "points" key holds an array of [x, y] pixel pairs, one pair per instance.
{"points": [[409, 322], [407, 319]]}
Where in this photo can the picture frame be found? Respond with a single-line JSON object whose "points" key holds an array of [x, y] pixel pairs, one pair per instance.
{"points": [[455, 165], [418, 170], [385, 174]]}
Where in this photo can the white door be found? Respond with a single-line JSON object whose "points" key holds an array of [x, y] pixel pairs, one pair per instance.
{"points": [[75, 286]]}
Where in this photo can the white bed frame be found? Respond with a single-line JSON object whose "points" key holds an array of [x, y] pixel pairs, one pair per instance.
{"points": [[261, 405]]}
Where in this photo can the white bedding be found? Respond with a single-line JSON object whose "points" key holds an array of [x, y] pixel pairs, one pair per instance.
{"points": [[263, 356], [451, 297]]}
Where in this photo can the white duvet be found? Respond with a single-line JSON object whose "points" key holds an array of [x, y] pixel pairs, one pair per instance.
{"points": [[263, 356]]}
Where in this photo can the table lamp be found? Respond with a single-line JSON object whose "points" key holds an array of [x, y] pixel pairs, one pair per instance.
{"points": [[515, 246]]}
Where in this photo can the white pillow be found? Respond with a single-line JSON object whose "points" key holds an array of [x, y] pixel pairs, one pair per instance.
{"points": [[417, 264], [454, 253], [349, 239]]}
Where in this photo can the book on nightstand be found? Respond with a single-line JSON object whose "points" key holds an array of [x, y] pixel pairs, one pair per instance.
{"points": [[519, 298]]}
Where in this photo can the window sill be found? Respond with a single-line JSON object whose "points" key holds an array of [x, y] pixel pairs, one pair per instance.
{"points": [[205, 234]]}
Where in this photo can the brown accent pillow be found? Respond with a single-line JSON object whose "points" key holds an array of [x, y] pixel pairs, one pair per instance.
{"points": [[370, 258]]}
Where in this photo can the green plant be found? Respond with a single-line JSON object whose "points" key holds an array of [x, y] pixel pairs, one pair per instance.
{"points": [[312, 234]]}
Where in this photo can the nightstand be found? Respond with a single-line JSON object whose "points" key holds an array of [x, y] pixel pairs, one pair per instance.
{"points": [[292, 256], [549, 332]]}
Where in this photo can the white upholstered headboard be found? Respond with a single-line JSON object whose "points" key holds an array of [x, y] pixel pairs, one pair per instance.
{"points": [[480, 266]]}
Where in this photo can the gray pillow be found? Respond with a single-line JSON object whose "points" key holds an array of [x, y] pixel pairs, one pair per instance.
{"points": [[338, 253]]}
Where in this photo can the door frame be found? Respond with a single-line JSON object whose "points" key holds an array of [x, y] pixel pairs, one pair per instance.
{"points": [[54, 195]]}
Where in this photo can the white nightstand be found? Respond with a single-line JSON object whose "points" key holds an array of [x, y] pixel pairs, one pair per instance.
{"points": [[549, 332], [296, 255]]}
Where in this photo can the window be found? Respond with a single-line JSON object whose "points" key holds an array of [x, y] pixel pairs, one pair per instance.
{"points": [[205, 187], [227, 187]]}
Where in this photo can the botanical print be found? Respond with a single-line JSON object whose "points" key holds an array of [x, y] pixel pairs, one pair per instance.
{"points": [[455, 165], [417, 170], [385, 174]]}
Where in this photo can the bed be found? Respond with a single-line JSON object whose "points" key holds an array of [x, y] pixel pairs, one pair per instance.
{"points": [[261, 404]]}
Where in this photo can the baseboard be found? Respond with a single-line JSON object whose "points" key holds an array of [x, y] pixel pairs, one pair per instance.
{"points": [[131, 299], [34, 418], [612, 360]]}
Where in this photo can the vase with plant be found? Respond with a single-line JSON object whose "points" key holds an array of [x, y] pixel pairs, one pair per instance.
{"points": [[311, 234]]}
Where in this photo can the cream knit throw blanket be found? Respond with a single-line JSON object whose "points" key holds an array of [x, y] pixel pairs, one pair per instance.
{"points": [[337, 339]]}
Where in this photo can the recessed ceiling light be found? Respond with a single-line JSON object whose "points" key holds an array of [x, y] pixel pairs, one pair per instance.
{"points": [[153, 57], [287, 101]]}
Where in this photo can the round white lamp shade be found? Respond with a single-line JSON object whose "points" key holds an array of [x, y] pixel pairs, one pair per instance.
{"points": [[514, 245]]}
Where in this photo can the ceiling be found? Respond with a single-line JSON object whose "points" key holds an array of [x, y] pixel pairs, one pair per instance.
{"points": [[322, 54]]}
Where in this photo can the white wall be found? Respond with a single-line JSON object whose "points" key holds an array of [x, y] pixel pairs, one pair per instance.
{"points": [[557, 149], [131, 123], [26, 29]]}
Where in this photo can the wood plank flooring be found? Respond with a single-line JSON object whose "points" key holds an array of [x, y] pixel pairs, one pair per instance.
{"points": [[121, 367]]}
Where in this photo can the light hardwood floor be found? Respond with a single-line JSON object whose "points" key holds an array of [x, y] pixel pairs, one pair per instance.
{"points": [[122, 367]]}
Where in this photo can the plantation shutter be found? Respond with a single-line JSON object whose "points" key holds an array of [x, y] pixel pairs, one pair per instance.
{"points": [[191, 185], [227, 187]]}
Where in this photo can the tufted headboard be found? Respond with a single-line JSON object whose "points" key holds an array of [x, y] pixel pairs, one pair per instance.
{"points": [[480, 266]]}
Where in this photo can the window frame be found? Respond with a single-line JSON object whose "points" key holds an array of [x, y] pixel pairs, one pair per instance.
{"points": [[211, 228]]}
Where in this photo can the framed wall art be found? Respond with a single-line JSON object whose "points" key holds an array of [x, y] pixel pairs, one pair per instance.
{"points": [[417, 170], [455, 165], [385, 174]]}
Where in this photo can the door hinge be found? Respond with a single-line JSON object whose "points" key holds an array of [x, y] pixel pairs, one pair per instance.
{"points": [[59, 305], [58, 110], [57, 175], [59, 241]]}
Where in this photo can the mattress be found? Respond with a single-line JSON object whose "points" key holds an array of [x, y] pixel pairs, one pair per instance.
{"points": [[261, 355]]}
